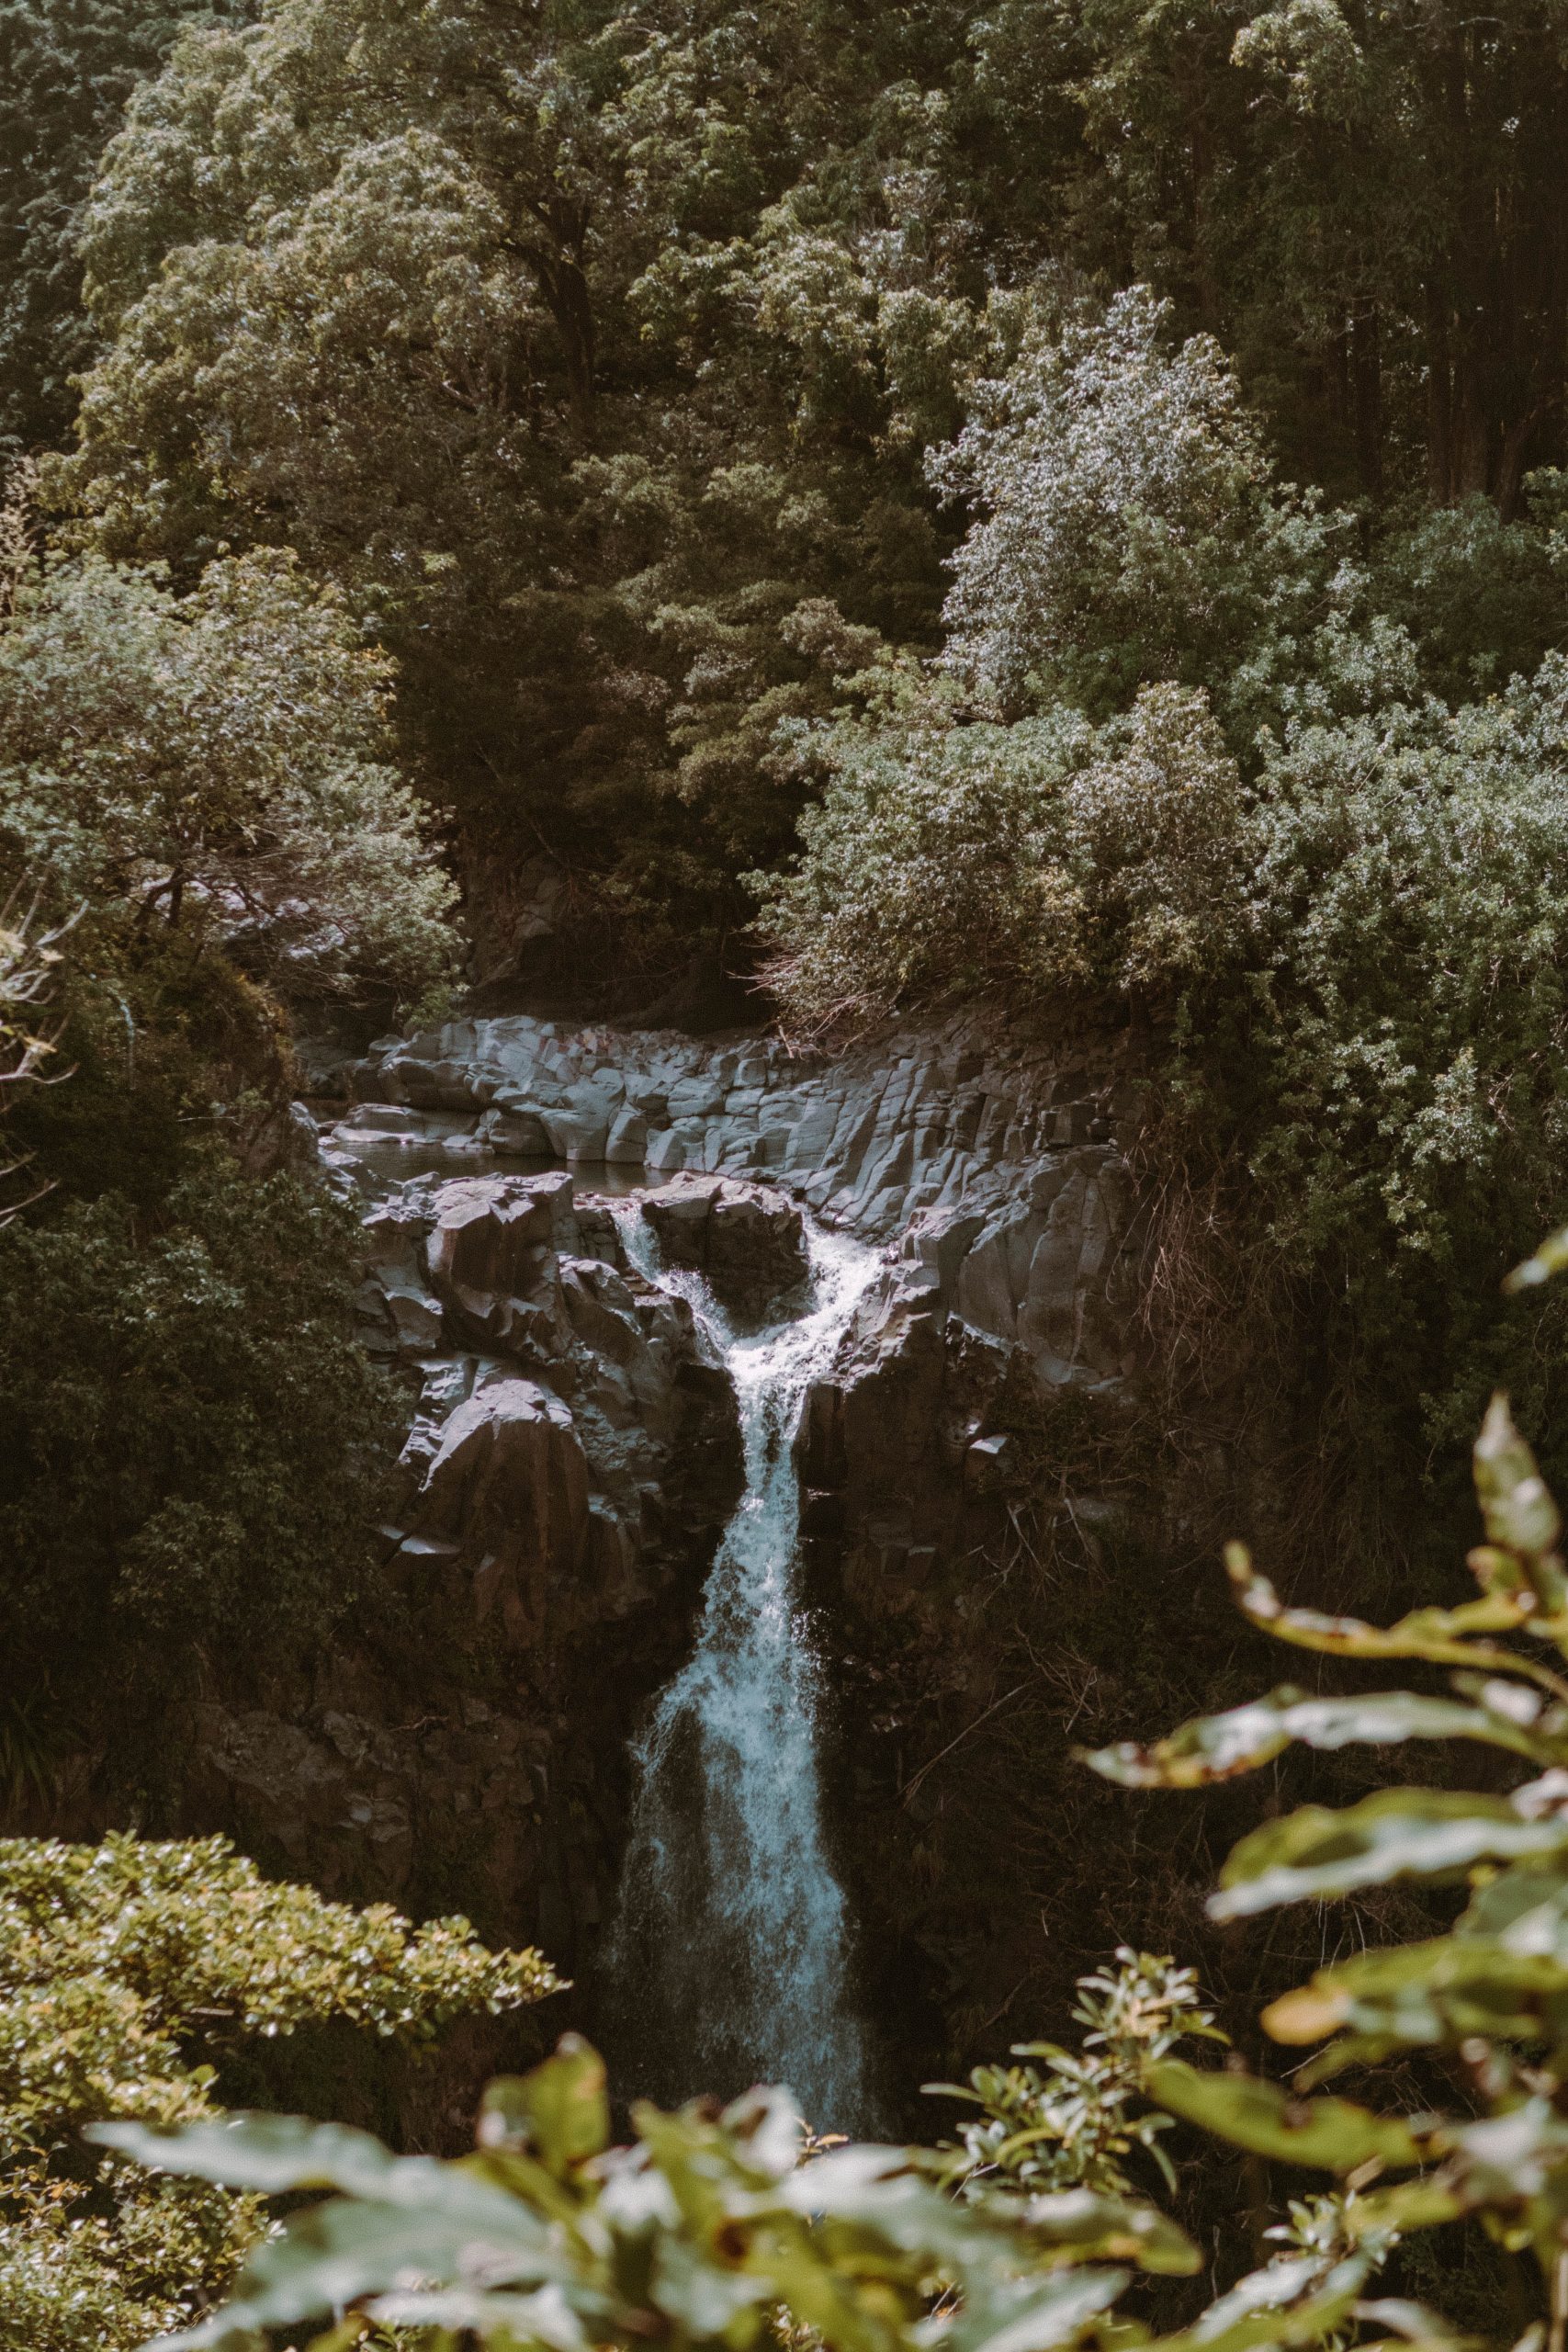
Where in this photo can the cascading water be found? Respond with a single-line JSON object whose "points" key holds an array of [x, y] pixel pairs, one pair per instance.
{"points": [[729, 1954]]}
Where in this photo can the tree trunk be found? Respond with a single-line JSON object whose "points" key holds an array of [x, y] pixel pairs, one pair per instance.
{"points": [[1439, 398], [1366, 367], [565, 288], [558, 266]]}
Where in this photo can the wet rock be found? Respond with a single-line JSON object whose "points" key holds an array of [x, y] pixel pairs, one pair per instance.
{"points": [[577, 1440], [748, 1242]]}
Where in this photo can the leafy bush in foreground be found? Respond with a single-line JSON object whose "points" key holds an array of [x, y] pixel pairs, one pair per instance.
{"points": [[704, 2232], [1486, 2005], [125, 1969]]}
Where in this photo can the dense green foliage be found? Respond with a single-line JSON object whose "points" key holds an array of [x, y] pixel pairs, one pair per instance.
{"points": [[212, 758], [190, 1439], [1083, 2119], [598, 358], [196, 824], [127, 1971], [1301, 813], [1063, 505], [455, 313], [65, 74]]}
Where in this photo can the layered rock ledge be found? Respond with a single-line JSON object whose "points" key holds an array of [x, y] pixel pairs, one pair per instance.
{"points": [[993, 1172]]}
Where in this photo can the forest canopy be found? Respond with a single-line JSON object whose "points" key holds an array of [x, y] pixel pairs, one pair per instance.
{"points": [[604, 363], [1060, 508]]}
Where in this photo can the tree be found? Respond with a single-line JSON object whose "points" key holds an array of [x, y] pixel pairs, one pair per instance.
{"points": [[1126, 527], [193, 1440], [518, 341], [66, 72], [1359, 203], [1184, 748], [214, 759]]}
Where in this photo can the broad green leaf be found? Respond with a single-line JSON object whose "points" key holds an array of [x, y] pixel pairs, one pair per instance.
{"points": [[1216, 1747], [1413, 2324], [1512, 2154], [1524, 1909], [1515, 1499], [1548, 1259], [817, 2297], [1331, 2134], [546, 2318], [1088, 2226], [1420, 1996], [765, 2123], [1516, 2165], [1031, 2315], [343, 2249], [1398, 1833], [698, 2167], [703, 2298], [275, 2152], [1289, 2302], [1408, 2206], [561, 2109], [880, 2188], [1445, 1636]]}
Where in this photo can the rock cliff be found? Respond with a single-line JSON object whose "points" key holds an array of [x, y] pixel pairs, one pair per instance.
{"points": [[990, 1176], [573, 1453], [993, 1178]]}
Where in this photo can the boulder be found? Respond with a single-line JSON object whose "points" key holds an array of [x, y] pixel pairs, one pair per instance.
{"points": [[509, 1470], [511, 1129], [748, 1241], [488, 1230]]}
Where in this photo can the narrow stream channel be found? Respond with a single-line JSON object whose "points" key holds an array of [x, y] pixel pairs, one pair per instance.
{"points": [[729, 1953]]}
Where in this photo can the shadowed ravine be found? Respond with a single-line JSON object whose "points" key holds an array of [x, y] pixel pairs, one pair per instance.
{"points": [[728, 1957]]}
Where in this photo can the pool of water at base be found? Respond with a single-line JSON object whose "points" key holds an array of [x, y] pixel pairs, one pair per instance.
{"points": [[389, 1160]]}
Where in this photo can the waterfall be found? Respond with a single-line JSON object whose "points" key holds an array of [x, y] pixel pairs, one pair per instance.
{"points": [[729, 1955]]}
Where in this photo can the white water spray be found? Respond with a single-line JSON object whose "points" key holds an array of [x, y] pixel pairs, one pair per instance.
{"points": [[730, 1950]]}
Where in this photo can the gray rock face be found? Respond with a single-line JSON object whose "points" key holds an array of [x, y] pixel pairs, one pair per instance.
{"points": [[750, 1242], [991, 1167], [988, 1168], [574, 1451], [573, 1419]]}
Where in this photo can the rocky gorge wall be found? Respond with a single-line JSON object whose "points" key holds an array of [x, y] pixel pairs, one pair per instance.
{"points": [[573, 1455], [993, 1182], [991, 1177]]}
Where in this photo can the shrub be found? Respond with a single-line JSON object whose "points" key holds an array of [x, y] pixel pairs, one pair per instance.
{"points": [[1047, 855], [125, 1969]]}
